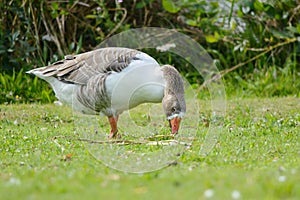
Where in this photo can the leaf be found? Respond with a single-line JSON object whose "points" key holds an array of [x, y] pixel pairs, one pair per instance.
{"points": [[212, 38], [3, 82], [258, 5], [233, 24], [191, 22], [141, 4], [91, 16], [281, 34], [55, 6], [64, 12], [240, 13], [79, 45], [170, 6], [237, 47], [293, 29], [298, 28], [15, 35]]}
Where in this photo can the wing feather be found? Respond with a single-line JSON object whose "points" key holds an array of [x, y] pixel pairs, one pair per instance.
{"points": [[80, 68]]}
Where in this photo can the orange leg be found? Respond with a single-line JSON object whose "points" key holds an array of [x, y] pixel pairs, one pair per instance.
{"points": [[113, 121]]}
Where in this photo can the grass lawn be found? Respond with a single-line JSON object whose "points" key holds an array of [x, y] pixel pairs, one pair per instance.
{"points": [[256, 156]]}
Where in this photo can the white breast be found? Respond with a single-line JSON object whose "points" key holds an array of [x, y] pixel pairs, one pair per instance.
{"points": [[142, 81]]}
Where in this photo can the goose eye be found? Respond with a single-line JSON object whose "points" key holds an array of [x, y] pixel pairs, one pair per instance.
{"points": [[173, 109]]}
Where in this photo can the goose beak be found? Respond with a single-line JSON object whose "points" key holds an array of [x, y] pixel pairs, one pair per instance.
{"points": [[174, 124]]}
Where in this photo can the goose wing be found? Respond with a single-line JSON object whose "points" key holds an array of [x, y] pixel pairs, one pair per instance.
{"points": [[78, 69]]}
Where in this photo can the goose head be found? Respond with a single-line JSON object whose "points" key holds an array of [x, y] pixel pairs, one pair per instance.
{"points": [[173, 101]]}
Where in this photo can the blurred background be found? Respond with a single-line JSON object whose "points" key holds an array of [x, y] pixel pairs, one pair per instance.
{"points": [[254, 43]]}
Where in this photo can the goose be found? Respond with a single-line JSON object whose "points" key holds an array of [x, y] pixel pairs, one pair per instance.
{"points": [[111, 80]]}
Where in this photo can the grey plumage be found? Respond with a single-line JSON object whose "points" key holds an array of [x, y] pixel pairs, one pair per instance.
{"points": [[173, 101], [80, 68], [90, 70], [100, 81]]}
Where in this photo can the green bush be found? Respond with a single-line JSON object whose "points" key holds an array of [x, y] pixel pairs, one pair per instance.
{"points": [[21, 88], [245, 36]]}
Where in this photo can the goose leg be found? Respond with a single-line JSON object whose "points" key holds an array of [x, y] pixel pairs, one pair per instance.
{"points": [[113, 121]]}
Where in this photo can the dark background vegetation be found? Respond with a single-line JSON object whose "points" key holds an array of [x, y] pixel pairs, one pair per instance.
{"points": [[254, 43]]}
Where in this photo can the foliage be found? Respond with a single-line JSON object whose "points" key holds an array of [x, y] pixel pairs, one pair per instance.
{"points": [[19, 88], [269, 81], [240, 35]]}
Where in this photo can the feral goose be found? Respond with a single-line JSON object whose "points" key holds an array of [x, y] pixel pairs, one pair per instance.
{"points": [[111, 80]]}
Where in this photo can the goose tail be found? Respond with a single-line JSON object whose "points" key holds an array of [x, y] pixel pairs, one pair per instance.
{"points": [[37, 72]]}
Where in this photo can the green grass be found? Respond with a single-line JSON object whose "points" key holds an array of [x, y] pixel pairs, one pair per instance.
{"points": [[256, 156]]}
